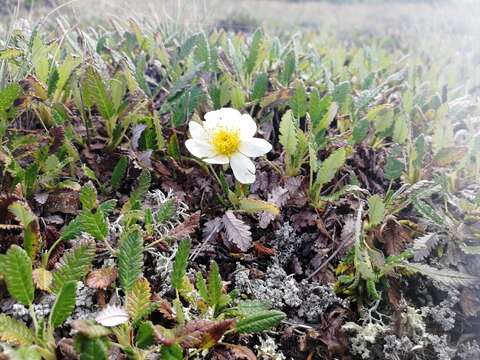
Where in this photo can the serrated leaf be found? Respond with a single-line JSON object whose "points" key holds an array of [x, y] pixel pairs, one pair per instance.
{"points": [[96, 93], [119, 172], [330, 166], [289, 67], [427, 211], [15, 332], [214, 285], [90, 328], [91, 349], [8, 95], [445, 276], [423, 246], [260, 87], [259, 321], [17, 272], [31, 228], [138, 300], [180, 264], [341, 93], [101, 278], [145, 335], [94, 224], [376, 210], [74, 265], [64, 304], [400, 130], [253, 56], [238, 233], [111, 316], [288, 133], [255, 206], [10, 53], [172, 352], [394, 168], [142, 187], [130, 259], [88, 197], [43, 279], [298, 103]]}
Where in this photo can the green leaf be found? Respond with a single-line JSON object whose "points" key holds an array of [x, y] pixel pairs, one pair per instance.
{"points": [[427, 211], [201, 286], [17, 271], [259, 321], [145, 335], [119, 172], [53, 81], [74, 265], [214, 285], [360, 131], [330, 166], [288, 133], [376, 210], [88, 197], [253, 56], [400, 130], [130, 259], [394, 168], [180, 264], [64, 304], [15, 332], [10, 53], [96, 93], [298, 103], [289, 67], [7, 97], [94, 224], [173, 352], [91, 349], [341, 93], [260, 87], [143, 185]]}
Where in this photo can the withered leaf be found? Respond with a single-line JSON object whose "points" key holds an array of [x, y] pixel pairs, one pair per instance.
{"points": [[42, 279], [395, 236], [202, 334], [239, 352], [238, 233], [187, 227], [101, 278]]}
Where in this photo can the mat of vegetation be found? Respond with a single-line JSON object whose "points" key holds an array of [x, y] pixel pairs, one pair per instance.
{"points": [[124, 232]]}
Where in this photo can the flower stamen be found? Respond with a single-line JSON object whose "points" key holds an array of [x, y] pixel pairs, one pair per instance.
{"points": [[225, 141]]}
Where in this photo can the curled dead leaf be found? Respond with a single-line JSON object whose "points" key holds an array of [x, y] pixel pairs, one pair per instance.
{"points": [[101, 278]]}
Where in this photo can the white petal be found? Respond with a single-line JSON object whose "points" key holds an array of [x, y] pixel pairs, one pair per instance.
{"points": [[254, 147], [112, 315], [197, 131], [243, 168], [219, 159], [223, 116], [199, 148], [248, 127]]}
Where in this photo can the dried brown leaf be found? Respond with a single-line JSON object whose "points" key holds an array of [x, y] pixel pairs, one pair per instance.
{"points": [[238, 233], [187, 227], [101, 278]]}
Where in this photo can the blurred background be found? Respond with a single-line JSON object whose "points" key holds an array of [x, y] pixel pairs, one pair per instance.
{"points": [[449, 16]]}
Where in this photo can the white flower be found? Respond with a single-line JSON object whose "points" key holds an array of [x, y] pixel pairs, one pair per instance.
{"points": [[226, 136]]}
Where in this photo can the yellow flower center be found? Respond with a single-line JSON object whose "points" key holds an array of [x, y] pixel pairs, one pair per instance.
{"points": [[226, 142]]}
